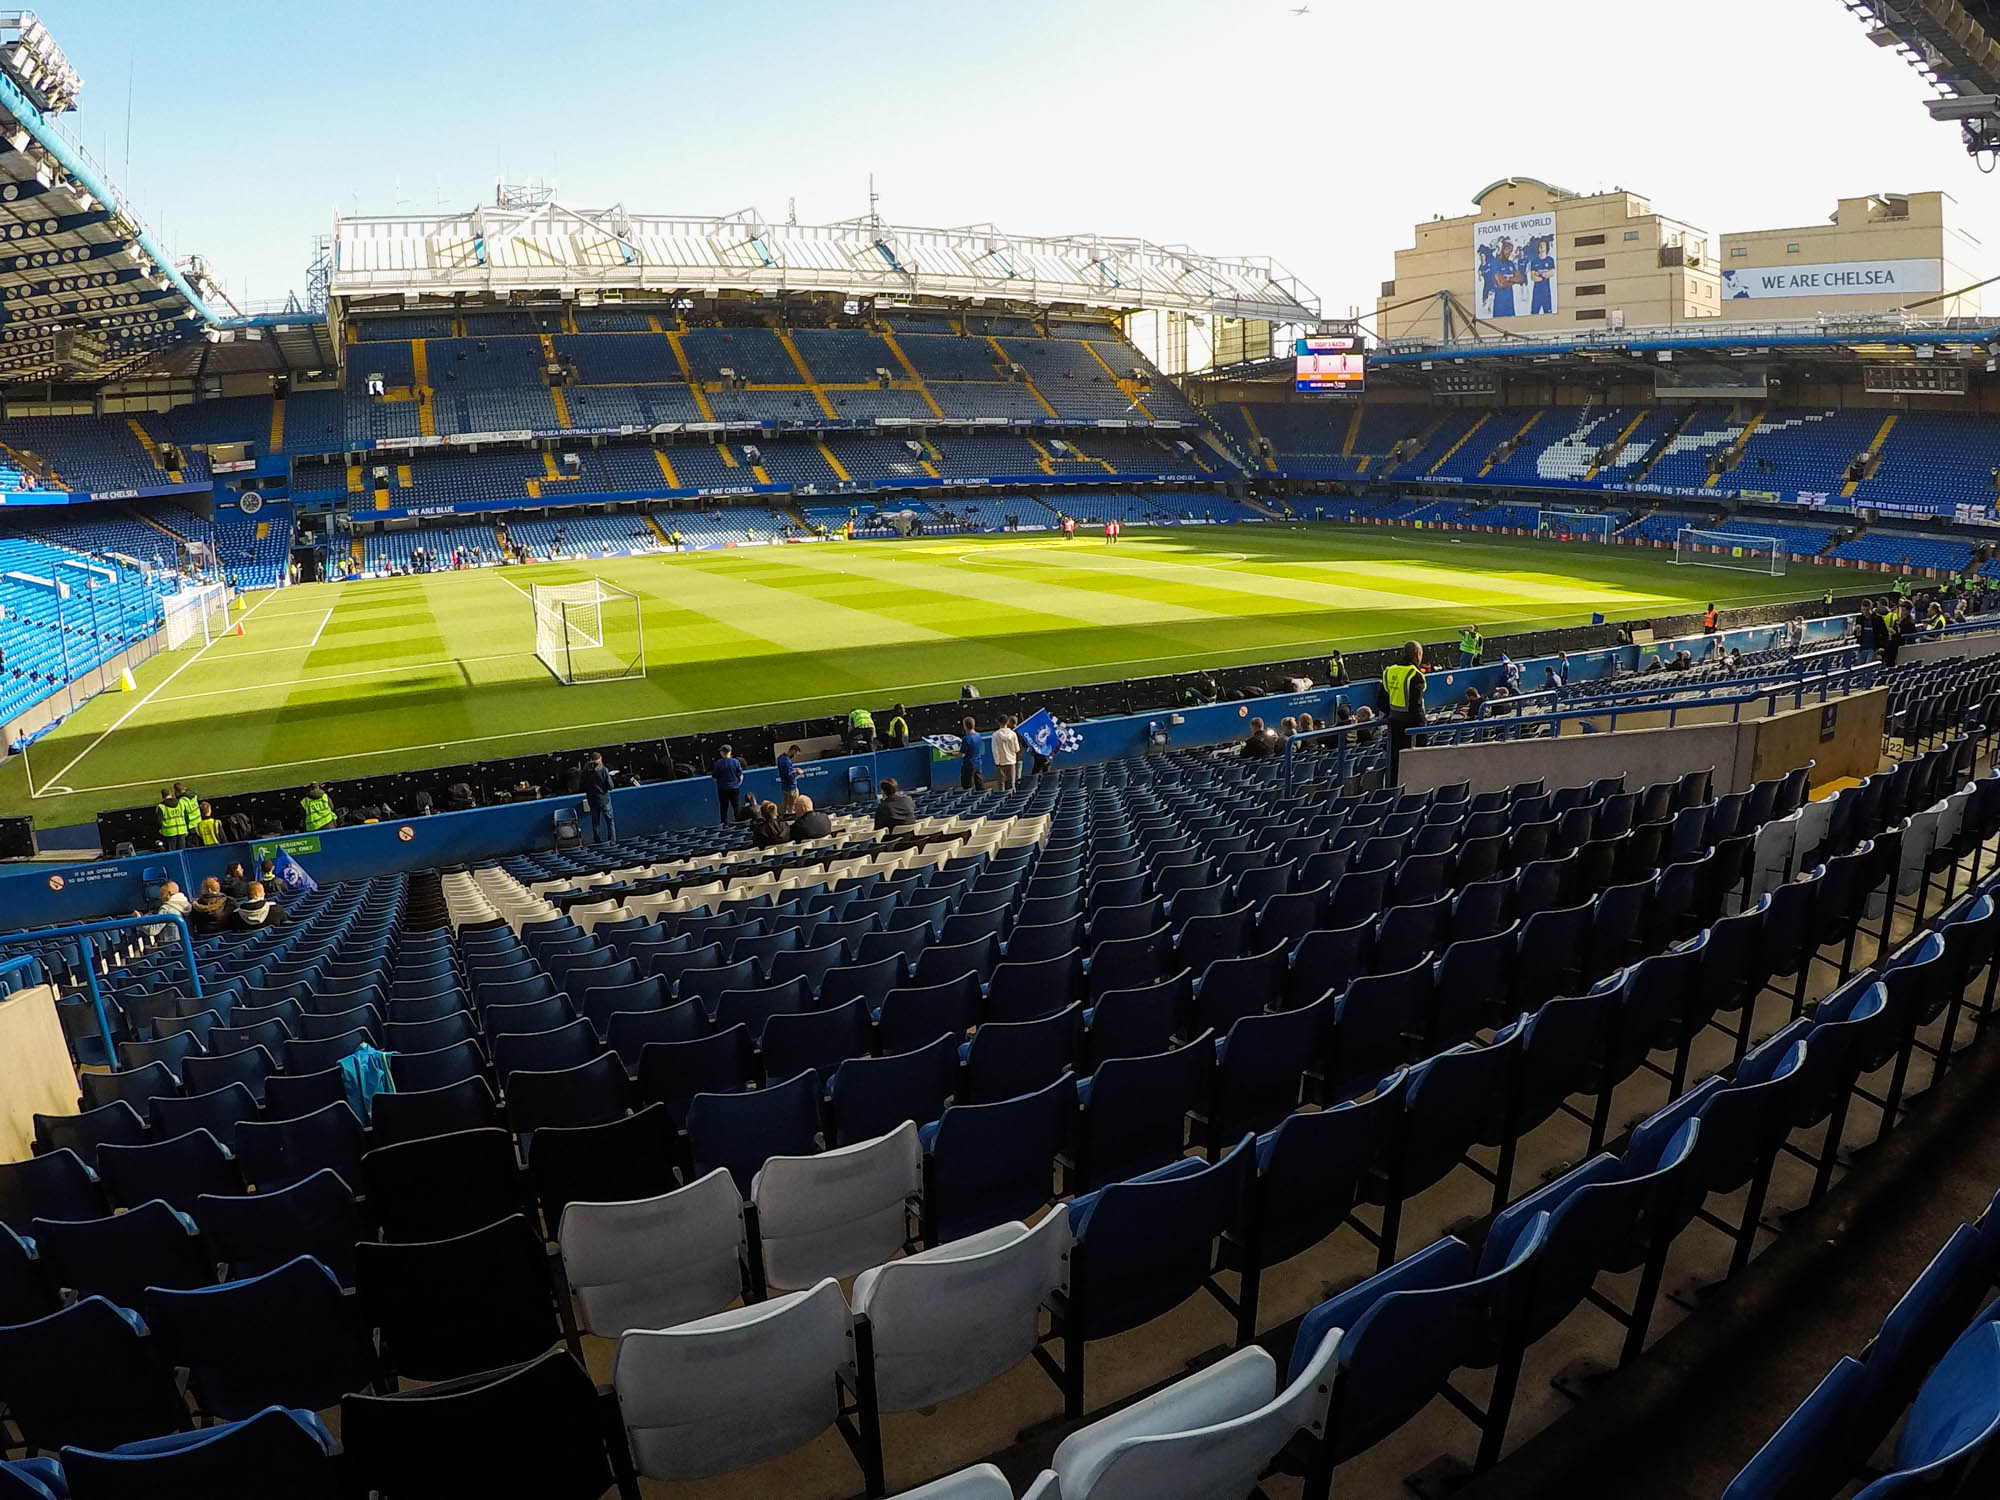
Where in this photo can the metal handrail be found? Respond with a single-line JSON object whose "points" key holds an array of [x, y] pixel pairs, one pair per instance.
{"points": [[1797, 689], [109, 924]]}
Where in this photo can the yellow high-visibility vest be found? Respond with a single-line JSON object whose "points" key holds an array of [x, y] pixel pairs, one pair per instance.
{"points": [[1399, 682]]}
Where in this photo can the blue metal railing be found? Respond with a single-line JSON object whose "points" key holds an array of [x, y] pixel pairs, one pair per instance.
{"points": [[1771, 694], [19, 973], [91, 929], [1342, 737]]}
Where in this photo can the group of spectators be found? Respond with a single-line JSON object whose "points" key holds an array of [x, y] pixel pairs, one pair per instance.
{"points": [[233, 903], [1006, 746], [770, 823], [1885, 624]]}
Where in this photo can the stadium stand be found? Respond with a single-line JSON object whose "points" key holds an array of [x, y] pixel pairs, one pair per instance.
{"points": [[47, 645], [100, 454], [389, 551], [1933, 461], [1888, 549], [256, 549], [674, 1026], [1799, 541], [589, 536]]}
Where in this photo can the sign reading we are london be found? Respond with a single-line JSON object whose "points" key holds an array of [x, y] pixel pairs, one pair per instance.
{"points": [[1853, 278]]}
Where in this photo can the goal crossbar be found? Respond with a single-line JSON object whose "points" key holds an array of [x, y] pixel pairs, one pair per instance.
{"points": [[1589, 525], [588, 632], [1695, 547]]}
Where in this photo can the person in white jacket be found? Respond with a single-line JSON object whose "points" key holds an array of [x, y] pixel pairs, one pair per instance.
{"points": [[1006, 754]]}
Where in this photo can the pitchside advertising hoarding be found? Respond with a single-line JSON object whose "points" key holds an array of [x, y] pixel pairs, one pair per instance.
{"points": [[1515, 266], [1848, 278]]}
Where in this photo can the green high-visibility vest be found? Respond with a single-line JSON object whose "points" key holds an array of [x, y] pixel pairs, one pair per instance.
{"points": [[190, 813], [318, 811], [173, 823], [861, 719]]}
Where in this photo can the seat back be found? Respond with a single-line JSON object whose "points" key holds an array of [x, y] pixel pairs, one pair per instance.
{"points": [[723, 1392], [837, 1213], [433, 1440], [1146, 1245], [989, 1163], [655, 1262], [742, 1131], [448, 1308], [948, 1320]]}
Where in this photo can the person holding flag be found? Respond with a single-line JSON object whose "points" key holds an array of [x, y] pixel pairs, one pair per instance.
{"points": [[290, 874]]}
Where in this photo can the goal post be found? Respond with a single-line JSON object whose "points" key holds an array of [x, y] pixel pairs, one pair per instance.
{"points": [[1694, 547], [196, 614], [588, 632], [1574, 525]]}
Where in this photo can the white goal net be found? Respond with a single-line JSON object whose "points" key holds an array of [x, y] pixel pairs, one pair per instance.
{"points": [[1694, 547], [196, 614], [1574, 525], [588, 632]]}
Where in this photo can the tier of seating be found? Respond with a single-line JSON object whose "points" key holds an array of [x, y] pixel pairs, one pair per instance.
{"points": [[46, 643], [709, 1077], [256, 549], [588, 536], [1887, 549], [1929, 461], [100, 454], [390, 551], [1933, 461], [1799, 541]]}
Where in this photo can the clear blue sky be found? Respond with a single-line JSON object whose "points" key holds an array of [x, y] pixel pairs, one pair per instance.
{"points": [[1229, 125]]}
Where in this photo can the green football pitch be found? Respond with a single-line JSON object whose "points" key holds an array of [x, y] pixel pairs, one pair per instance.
{"points": [[332, 680]]}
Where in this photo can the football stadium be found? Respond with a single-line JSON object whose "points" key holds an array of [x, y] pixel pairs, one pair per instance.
{"points": [[715, 856]]}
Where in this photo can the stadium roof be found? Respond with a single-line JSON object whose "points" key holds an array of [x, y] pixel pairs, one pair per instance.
{"points": [[1953, 44], [84, 292], [86, 295], [1829, 344], [1855, 339], [504, 248]]}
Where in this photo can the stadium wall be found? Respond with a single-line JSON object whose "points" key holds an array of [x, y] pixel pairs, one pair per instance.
{"points": [[1905, 241], [1843, 738], [38, 1078], [1612, 253]]}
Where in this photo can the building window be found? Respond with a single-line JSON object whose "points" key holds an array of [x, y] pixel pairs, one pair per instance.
{"points": [[1590, 315], [1591, 265], [1589, 239], [1591, 291], [1631, 234], [1739, 252], [1791, 249]]}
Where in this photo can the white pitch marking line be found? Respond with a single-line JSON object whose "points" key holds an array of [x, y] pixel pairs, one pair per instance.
{"points": [[401, 669], [322, 627], [120, 721]]}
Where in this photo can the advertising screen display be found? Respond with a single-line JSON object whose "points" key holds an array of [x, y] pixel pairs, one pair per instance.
{"points": [[1329, 364], [1515, 266]]}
